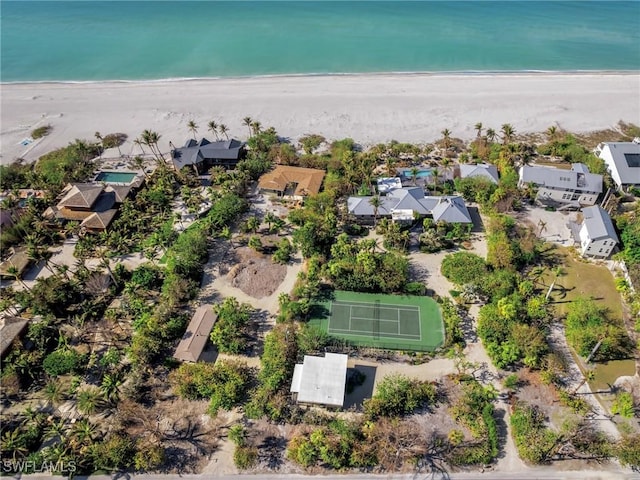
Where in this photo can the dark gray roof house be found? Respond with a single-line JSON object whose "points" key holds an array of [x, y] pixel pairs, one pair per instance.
{"points": [[450, 209], [205, 154]]}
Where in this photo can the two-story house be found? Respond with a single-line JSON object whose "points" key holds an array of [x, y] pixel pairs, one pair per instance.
{"points": [[596, 235], [576, 187]]}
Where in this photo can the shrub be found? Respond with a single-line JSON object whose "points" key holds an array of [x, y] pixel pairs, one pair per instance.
{"points": [[245, 457], [464, 268], [623, 405], [399, 395], [534, 441], [41, 132], [62, 361], [415, 288], [228, 333], [238, 435]]}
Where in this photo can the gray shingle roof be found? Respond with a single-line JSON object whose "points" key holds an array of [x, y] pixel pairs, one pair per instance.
{"points": [[484, 170], [620, 154], [447, 208], [598, 223], [574, 179], [196, 152]]}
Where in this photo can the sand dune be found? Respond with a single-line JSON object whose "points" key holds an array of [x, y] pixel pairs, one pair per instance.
{"points": [[368, 108]]}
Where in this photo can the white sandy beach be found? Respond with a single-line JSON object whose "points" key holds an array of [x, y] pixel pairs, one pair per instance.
{"points": [[367, 108]]}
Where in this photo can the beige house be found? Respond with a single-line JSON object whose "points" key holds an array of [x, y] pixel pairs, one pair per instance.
{"points": [[195, 338], [294, 182]]}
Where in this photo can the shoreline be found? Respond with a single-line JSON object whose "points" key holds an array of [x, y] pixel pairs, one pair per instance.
{"points": [[371, 109], [426, 73]]}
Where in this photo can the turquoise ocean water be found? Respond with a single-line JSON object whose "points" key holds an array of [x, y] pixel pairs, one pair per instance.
{"points": [[134, 40]]}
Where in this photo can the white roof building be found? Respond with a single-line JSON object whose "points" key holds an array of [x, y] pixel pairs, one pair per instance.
{"points": [[321, 380], [623, 161]]}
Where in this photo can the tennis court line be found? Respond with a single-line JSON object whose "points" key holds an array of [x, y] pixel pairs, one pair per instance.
{"points": [[387, 305], [356, 333], [371, 319], [382, 308]]}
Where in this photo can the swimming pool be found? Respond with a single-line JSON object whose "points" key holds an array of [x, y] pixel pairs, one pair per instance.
{"points": [[421, 173], [115, 177]]}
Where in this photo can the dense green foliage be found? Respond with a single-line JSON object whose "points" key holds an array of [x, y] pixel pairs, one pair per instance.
{"points": [[225, 383], [398, 395], [568, 148], [356, 266], [587, 324], [474, 409], [534, 440], [513, 330], [452, 322], [278, 360], [229, 332], [464, 268], [62, 361]]}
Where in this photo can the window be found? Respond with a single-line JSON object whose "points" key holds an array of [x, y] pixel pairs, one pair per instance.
{"points": [[600, 251]]}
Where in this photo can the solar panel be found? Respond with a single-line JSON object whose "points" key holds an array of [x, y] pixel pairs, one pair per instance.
{"points": [[633, 159]]}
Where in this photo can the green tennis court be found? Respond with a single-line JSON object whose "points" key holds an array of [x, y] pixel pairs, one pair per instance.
{"points": [[383, 321]]}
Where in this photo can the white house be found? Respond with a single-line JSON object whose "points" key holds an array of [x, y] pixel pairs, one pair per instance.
{"points": [[576, 187], [597, 235], [321, 380], [623, 161]]}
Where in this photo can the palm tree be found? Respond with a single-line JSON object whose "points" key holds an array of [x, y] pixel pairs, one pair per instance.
{"points": [[389, 165], [589, 376], [478, 128], [445, 163], [139, 143], [15, 273], [101, 143], [552, 131], [543, 226], [256, 126], [247, 122], [89, 399], [138, 162], [54, 393], [491, 134], [83, 433], [446, 138], [253, 224], [435, 173], [110, 387], [56, 428], [193, 128], [507, 133], [223, 130], [414, 174], [213, 128], [14, 442], [375, 202], [104, 263]]}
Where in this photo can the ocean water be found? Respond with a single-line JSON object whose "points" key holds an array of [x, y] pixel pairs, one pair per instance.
{"points": [[134, 40]]}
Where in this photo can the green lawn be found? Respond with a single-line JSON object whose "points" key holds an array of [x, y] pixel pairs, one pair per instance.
{"points": [[395, 322], [582, 279]]}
